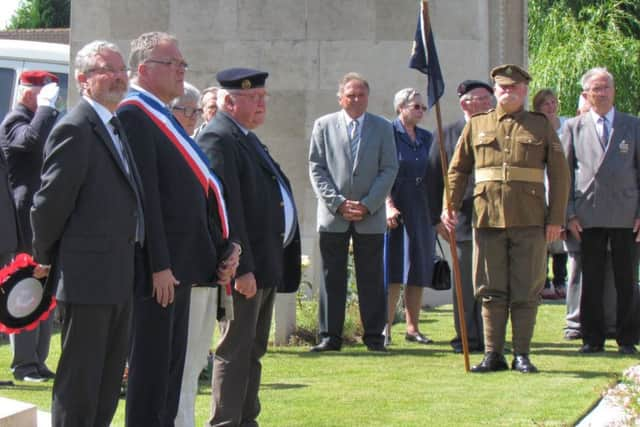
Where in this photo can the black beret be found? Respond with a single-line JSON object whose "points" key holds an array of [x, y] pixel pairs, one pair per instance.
{"points": [[241, 78], [469, 85]]}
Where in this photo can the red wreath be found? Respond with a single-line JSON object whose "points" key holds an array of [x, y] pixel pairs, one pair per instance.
{"points": [[22, 261]]}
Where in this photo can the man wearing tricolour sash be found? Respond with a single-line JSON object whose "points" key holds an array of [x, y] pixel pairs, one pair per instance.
{"points": [[187, 229]]}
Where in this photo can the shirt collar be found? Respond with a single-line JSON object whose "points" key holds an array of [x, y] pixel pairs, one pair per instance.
{"points": [[149, 94], [242, 128], [609, 116], [502, 114], [104, 114], [348, 119]]}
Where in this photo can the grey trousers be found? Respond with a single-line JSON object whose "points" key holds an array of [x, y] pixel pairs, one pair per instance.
{"points": [[31, 348], [237, 369]]}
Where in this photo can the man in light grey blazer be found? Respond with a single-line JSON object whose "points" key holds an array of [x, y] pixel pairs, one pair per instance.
{"points": [[352, 165], [603, 150]]}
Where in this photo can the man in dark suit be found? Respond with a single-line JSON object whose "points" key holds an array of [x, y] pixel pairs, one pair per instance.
{"points": [[87, 224], [8, 223], [603, 150], [185, 232], [475, 97], [22, 135], [352, 165], [263, 218]]}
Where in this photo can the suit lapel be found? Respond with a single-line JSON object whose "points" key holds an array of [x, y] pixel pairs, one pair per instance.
{"points": [[103, 135], [591, 142]]}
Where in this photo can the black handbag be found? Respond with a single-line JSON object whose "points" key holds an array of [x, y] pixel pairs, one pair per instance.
{"points": [[441, 279]]}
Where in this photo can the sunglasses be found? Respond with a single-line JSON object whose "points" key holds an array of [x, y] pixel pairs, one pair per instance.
{"points": [[188, 111], [417, 107]]}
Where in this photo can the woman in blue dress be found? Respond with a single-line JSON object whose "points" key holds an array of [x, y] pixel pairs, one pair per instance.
{"points": [[410, 239]]}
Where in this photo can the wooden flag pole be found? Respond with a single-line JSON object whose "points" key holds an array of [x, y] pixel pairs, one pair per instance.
{"points": [[447, 199]]}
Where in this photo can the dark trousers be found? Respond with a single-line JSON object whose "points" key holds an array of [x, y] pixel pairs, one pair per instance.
{"points": [[472, 305], [594, 250], [237, 369], [367, 256], [94, 349], [156, 360]]}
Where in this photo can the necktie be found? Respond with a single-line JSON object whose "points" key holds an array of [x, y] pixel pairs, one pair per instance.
{"points": [[605, 132], [117, 142], [353, 139]]}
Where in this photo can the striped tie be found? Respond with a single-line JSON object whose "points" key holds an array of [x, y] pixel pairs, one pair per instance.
{"points": [[605, 132], [354, 139]]}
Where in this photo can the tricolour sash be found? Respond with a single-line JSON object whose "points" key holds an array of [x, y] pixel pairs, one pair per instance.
{"points": [[191, 153]]}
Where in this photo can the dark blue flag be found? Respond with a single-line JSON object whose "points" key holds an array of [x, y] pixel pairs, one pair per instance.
{"points": [[426, 60]]}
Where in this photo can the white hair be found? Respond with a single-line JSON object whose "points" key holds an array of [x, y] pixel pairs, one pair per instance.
{"points": [[191, 93], [402, 98], [596, 71], [85, 58]]}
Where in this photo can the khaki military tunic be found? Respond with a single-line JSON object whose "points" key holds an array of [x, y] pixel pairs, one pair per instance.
{"points": [[511, 151], [509, 154]]}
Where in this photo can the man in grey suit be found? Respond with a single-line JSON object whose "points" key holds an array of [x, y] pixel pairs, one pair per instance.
{"points": [[87, 222], [475, 97], [352, 165], [603, 150]]}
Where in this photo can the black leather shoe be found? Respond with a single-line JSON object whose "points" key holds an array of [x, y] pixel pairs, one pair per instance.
{"points": [[46, 372], [522, 363], [491, 362], [590, 348], [325, 345], [418, 337], [627, 349], [377, 347]]}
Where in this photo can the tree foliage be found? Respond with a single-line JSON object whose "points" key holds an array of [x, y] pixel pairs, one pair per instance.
{"points": [[568, 37], [41, 14]]}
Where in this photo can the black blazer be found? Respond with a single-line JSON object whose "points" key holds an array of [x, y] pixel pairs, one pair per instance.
{"points": [[84, 214], [22, 138], [8, 225], [183, 228], [255, 205], [435, 182]]}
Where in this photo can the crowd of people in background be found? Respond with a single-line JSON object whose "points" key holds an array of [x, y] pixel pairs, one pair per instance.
{"points": [[154, 211]]}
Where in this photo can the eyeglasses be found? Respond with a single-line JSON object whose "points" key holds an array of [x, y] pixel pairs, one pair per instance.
{"points": [[254, 97], [188, 111], [417, 107], [108, 70], [175, 63]]}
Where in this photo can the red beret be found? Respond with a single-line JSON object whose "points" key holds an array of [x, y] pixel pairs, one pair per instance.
{"points": [[37, 78]]}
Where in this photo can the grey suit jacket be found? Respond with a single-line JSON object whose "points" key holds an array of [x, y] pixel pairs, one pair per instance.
{"points": [[604, 185], [336, 177], [84, 214]]}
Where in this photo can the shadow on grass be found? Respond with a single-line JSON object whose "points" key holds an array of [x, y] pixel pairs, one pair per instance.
{"points": [[281, 386], [24, 387], [356, 352]]}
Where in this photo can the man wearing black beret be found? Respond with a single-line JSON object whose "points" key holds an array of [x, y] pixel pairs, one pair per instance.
{"points": [[263, 218], [475, 97]]}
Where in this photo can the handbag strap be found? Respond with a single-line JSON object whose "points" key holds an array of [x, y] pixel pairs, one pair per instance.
{"points": [[439, 245]]}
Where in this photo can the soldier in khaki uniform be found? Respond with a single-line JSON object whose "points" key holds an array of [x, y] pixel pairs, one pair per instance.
{"points": [[508, 149]]}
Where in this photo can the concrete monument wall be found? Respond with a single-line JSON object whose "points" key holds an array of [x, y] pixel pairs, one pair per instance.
{"points": [[307, 45]]}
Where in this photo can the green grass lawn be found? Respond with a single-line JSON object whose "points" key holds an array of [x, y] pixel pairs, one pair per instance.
{"points": [[412, 385]]}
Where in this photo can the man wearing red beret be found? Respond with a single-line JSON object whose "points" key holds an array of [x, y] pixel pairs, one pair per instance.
{"points": [[23, 133]]}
